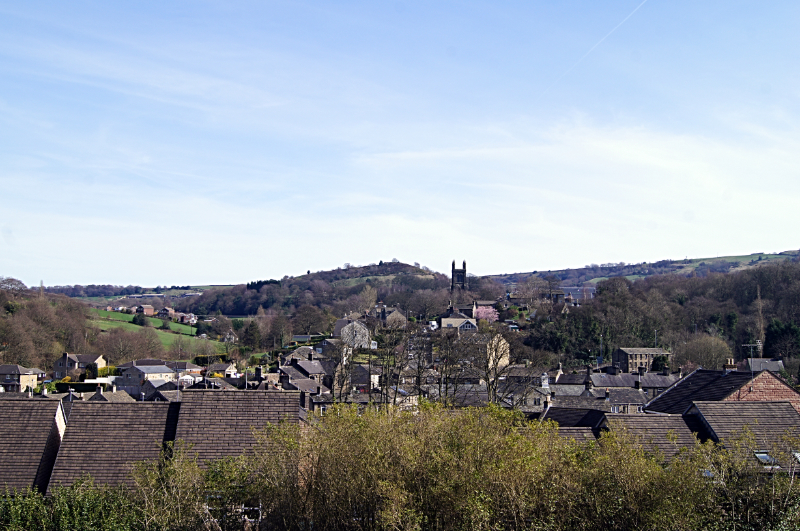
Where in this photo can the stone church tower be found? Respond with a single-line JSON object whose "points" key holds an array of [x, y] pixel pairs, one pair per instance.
{"points": [[458, 277]]}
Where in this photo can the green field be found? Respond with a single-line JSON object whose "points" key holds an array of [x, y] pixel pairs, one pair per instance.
{"points": [[166, 338], [128, 317]]}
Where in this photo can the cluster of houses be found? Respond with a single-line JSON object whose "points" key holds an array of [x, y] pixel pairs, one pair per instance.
{"points": [[58, 437], [102, 425]]}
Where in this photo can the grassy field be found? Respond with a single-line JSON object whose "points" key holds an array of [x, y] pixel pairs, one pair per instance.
{"points": [[127, 317], [166, 338]]}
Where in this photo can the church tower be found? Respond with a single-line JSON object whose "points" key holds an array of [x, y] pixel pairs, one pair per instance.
{"points": [[458, 277]]}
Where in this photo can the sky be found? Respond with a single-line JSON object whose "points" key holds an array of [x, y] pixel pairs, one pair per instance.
{"points": [[204, 142]]}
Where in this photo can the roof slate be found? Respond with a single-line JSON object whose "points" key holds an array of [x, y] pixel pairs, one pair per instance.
{"points": [[104, 440], [573, 417], [220, 423], [769, 421], [664, 433], [701, 385], [28, 443]]}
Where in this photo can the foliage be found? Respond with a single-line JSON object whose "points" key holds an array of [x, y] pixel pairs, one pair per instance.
{"points": [[487, 313], [438, 469], [140, 319]]}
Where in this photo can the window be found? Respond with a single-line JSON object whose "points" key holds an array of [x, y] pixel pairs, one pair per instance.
{"points": [[639, 409], [60, 363], [615, 409], [766, 460]]}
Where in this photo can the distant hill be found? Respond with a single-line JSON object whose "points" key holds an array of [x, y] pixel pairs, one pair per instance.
{"points": [[694, 266]]}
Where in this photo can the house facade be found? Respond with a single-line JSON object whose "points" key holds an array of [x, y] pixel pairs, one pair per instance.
{"points": [[75, 364], [18, 379]]}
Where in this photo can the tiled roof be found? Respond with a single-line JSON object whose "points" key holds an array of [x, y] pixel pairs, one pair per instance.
{"points": [[579, 434], [28, 442], [221, 423], [701, 385], [116, 397], [619, 395], [17, 369], [768, 421], [142, 363], [764, 364], [573, 417], [626, 379], [154, 369], [104, 440], [291, 372], [571, 379], [311, 367], [219, 367], [664, 433], [306, 384]]}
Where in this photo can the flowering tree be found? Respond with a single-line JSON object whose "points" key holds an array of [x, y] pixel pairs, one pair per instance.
{"points": [[486, 313]]}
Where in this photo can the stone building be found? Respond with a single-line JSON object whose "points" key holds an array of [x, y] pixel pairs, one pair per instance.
{"points": [[458, 277]]}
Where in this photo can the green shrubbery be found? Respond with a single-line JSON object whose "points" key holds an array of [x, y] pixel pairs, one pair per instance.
{"points": [[443, 470]]}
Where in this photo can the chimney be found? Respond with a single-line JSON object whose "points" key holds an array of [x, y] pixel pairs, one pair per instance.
{"points": [[665, 371], [311, 356], [44, 390], [100, 390], [319, 391], [729, 366], [589, 384], [258, 372], [608, 394], [637, 384], [113, 388], [641, 370], [303, 399]]}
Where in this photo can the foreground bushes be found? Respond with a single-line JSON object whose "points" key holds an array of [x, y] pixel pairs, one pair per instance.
{"points": [[474, 469]]}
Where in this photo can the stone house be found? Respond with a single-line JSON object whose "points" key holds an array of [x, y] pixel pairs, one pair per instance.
{"points": [[18, 379], [75, 364], [630, 359]]}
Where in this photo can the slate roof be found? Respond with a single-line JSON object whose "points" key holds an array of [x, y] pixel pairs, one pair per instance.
{"points": [[664, 433], [221, 423], [311, 367], [571, 379], [182, 366], [579, 434], [769, 421], [307, 385], [219, 367], [573, 417], [154, 369], [28, 442], [141, 363], [18, 369], [116, 397], [626, 379], [104, 440], [701, 385], [618, 395], [291, 372], [764, 364]]}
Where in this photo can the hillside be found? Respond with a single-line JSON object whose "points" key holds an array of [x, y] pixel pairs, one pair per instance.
{"points": [[701, 267]]}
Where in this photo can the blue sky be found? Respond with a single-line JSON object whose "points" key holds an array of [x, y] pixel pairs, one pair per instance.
{"points": [[221, 142]]}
